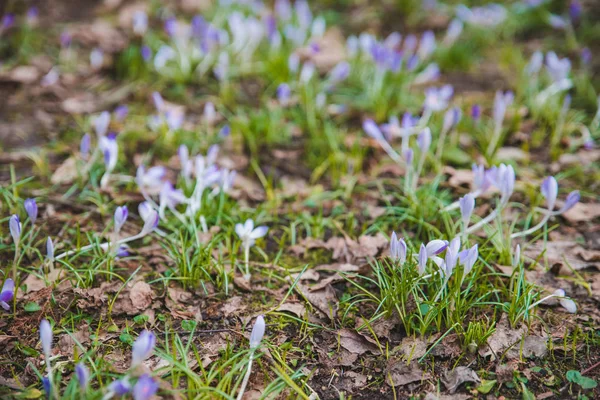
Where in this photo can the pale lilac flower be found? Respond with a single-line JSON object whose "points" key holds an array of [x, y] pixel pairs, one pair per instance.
{"points": [[120, 387], [8, 20], [121, 112], [145, 388], [489, 15], [258, 331], [158, 101], [169, 197], [453, 32], [427, 45], [84, 146], [110, 150], [174, 119], [306, 73], [393, 40], [586, 56], [14, 225], [549, 189], [170, 26], [224, 131], [120, 217], [47, 386], [557, 22], [210, 113], [501, 103], [101, 123], [575, 10], [140, 23], [142, 347], [151, 180], [409, 156], [248, 233], [371, 129], [283, 94], [468, 258], [451, 118], [340, 72], [163, 56], [467, 204], [535, 63], [51, 77], [221, 69], [32, 209], [422, 261], [65, 39], [150, 218], [303, 13], [283, 9], [294, 62], [435, 247], [49, 249], [7, 294], [83, 375], [572, 199], [476, 112], [410, 44], [46, 339], [436, 99], [96, 58], [32, 16], [424, 140], [145, 209], [452, 252], [146, 53], [558, 68], [397, 249]]}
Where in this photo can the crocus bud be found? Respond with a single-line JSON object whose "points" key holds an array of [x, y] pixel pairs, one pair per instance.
{"points": [[96, 58], [32, 209], [146, 53], [83, 375], [120, 217], [84, 146], [210, 113], [567, 303], [140, 22], [283, 94], [476, 112], [142, 347], [110, 150], [145, 388], [47, 386], [340, 72], [451, 118], [224, 131], [517, 255], [7, 293], [306, 73], [258, 331], [49, 249], [549, 189], [15, 228], [121, 112], [409, 155], [101, 123], [46, 338], [422, 259], [424, 140], [572, 199], [467, 204], [150, 222], [371, 129], [468, 258]]}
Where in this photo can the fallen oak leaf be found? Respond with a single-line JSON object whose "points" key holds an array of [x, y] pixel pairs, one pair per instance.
{"points": [[453, 379]]}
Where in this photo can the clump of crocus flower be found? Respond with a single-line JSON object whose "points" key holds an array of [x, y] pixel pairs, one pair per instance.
{"points": [[248, 234]]}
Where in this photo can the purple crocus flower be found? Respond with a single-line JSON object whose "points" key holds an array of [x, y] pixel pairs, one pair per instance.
{"points": [[371, 129], [586, 56], [427, 45], [14, 225], [142, 347], [535, 63], [422, 261], [7, 294], [435, 247], [96, 58], [32, 209], [558, 68], [140, 22], [146, 53], [151, 219], [84, 146], [199, 26], [121, 112], [170, 26], [467, 204], [451, 119], [120, 218], [101, 123], [436, 99], [409, 156], [501, 103], [303, 13], [340, 72], [46, 338], [575, 10], [476, 112], [258, 331], [224, 131], [65, 39], [468, 258], [283, 93], [110, 150], [424, 140], [83, 375], [549, 189], [145, 388], [8, 20], [397, 249], [120, 387], [32, 15], [572, 199]]}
